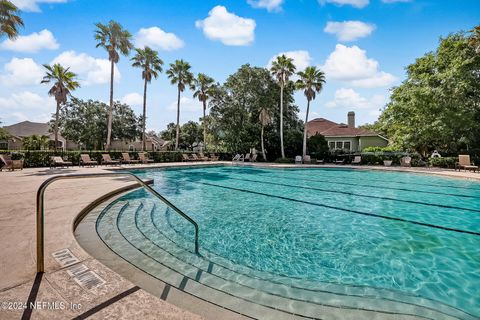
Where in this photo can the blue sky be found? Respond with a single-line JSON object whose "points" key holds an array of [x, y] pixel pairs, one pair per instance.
{"points": [[362, 45]]}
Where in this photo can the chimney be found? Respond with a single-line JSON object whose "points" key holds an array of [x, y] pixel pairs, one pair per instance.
{"points": [[351, 119]]}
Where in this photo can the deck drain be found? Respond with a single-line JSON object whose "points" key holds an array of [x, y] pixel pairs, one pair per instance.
{"points": [[85, 277], [65, 258]]}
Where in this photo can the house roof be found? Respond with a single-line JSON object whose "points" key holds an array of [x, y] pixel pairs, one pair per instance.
{"points": [[27, 128], [329, 128]]}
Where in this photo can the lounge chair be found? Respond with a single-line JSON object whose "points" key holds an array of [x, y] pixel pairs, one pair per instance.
{"points": [[126, 158], [254, 158], [307, 159], [337, 161], [144, 158], [406, 161], [464, 163], [6, 162], [86, 161], [357, 160], [195, 157], [57, 161], [247, 157], [298, 160], [320, 161], [214, 157], [238, 158], [202, 157], [106, 160]]}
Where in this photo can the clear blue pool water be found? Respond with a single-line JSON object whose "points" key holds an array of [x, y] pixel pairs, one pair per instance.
{"points": [[416, 234]]}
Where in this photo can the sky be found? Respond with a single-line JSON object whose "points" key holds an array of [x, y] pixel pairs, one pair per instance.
{"points": [[363, 46]]}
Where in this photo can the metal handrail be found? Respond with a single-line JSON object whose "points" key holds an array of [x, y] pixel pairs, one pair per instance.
{"points": [[40, 208]]}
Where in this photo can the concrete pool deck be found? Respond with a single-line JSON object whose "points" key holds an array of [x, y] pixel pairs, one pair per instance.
{"points": [[117, 297]]}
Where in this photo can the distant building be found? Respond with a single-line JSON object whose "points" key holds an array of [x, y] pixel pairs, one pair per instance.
{"points": [[345, 137], [24, 129]]}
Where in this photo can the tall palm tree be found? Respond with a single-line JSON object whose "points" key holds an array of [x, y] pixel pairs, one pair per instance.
{"points": [[64, 82], [203, 86], [151, 65], [265, 119], [282, 68], [311, 82], [10, 21], [179, 74], [116, 41]]}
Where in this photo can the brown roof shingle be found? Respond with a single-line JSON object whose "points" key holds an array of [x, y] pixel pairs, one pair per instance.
{"points": [[329, 128]]}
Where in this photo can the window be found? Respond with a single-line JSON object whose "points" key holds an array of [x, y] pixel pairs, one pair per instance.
{"points": [[339, 145], [331, 145], [347, 145]]}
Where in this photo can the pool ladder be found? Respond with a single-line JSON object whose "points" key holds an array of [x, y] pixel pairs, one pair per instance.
{"points": [[41, 200]]}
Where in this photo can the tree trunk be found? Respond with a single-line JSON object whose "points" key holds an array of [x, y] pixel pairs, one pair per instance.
{"points": [[305, 130], [204, 125], [110, 109], [281, 120], [178, 121], [144, 139], [263, 146], [56, 125]]}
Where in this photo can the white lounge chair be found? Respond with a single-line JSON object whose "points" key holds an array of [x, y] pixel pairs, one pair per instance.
{"points": [[298, 160], [357, 160], [406, 161], [307, 159]]}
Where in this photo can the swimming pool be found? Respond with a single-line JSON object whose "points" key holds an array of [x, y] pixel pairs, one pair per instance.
{"points": [[396, 243]]}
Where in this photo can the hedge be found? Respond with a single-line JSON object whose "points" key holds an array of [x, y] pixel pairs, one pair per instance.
{"points": [[41, 158]]}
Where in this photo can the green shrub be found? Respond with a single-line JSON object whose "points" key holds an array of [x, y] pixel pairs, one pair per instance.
{"points": [[444, 162], [284, 160]]}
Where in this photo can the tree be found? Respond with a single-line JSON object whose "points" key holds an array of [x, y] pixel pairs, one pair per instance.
{"points": [[169, 133], [64, 82], [151, 65], [10, 21], [35, 142], [179, 74], [282, 68], [438, 105], [311, 82], [264, 119], [84, 123], [191, 134], [115, 40], [204, 86], [318, 146], [474, 39]]}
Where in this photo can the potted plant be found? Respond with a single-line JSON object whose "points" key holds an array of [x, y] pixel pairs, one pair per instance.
{"points": [[387, 160]]}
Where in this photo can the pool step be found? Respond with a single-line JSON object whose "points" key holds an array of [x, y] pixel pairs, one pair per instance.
{"points": [[138, 240]]}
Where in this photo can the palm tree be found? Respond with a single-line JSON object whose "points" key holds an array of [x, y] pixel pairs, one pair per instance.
{"points": [[264, 119], [64, 82], [10, 21], [179, 74], [282, 68], [151, 65], [311, 82], [115, 40], [204, 86]]}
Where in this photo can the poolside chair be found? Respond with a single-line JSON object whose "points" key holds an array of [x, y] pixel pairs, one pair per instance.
{"points": [[339, 161], [254, 158], [320, 161], [195, 157], [357, 160], [214, 157], [106, 160], [406, 161], [238, 157], [86, 161], [464, 163], [185, 157], [307, 159], [127, 160], [7, 163], [57, 161], [142, 156], [298, 160], [247, 157], [203, 157]]}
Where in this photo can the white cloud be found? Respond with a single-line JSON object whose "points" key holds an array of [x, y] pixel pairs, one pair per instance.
{"points": [[156, 38], [132, 99], [31, 43], [349, 30], [26, 105], [22, 72], [349, 98], [270, 5], [355, 3], [351, 64], [33, 5], [89, 69], [186, 105], [227, 27], [301, 58]]}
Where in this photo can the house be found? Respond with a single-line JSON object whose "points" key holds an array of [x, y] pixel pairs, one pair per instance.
{"points": [[345, 137], [24, 129]]}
